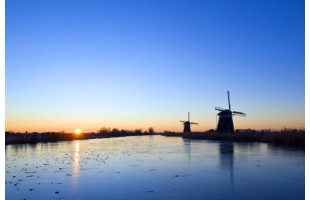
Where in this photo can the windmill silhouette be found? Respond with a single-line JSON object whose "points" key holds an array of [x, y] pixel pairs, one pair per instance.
{"points": [[187, 125], [225, 123]]}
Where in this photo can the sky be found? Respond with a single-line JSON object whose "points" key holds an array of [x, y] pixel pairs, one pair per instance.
{"points": [[138, 64]]}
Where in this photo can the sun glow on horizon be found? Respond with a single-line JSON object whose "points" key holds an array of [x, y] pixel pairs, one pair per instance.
{"points": [[78, 131]]}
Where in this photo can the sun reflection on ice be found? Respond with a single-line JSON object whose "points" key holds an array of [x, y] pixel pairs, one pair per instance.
{"points": [[77, 146], [76, 162]]}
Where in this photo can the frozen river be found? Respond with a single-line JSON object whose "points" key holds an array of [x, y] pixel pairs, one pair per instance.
{"points": [[153, 167]]}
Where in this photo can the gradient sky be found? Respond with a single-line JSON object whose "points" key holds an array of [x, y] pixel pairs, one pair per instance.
{"points": [[134, 64]]}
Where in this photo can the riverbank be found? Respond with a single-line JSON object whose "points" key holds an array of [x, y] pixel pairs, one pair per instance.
{"points": [[32, 138], [284, 137]]}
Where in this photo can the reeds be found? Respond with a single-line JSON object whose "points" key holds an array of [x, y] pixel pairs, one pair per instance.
{"points": [[286, 136], [22, 138]]}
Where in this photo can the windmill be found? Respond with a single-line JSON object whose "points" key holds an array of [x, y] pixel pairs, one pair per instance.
{"points": [[187, 125], [225, 123]]}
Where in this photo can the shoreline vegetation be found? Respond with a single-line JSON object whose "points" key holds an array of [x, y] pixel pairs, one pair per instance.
{"points": [[35, 137], [292, 137]]}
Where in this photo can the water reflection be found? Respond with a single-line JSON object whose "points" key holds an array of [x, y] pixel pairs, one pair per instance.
{"points": [[156, 167], [76, 162], [187, 149], [227, 157]]}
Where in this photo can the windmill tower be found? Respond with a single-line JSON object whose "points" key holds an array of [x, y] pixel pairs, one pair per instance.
{"points": [[187, 125], [225, 123]]}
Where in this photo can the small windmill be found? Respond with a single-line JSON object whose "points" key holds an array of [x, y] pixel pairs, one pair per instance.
{"points": [[187, 125], [225, 123]]}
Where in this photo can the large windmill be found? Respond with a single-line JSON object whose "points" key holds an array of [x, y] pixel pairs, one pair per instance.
{"points": [[187, 125], [225, 123]]}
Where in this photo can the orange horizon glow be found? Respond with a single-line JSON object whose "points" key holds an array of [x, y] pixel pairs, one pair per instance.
{"points": [[90, 124], [176, 128]]}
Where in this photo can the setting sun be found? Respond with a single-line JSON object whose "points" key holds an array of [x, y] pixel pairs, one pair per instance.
{"points": [[78, 131]]}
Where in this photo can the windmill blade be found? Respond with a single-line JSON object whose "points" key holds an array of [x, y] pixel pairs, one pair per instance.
{"points": [[219, 108], [228, 94], [194, 123], [182, 121], [236, 112], [239, 113]]}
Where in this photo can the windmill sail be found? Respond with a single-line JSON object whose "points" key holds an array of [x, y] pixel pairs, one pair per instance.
{"points": [[228, 99]]}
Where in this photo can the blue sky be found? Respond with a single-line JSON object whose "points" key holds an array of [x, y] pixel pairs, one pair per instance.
{"points": [[135, 64]]}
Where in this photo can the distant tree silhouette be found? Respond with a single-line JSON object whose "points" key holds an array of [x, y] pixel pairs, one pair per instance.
{"points": [[104, 130], [115, 131], [138, 131]]}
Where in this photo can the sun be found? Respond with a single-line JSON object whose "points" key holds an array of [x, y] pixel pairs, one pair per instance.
{"points": [[78, 131]]}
